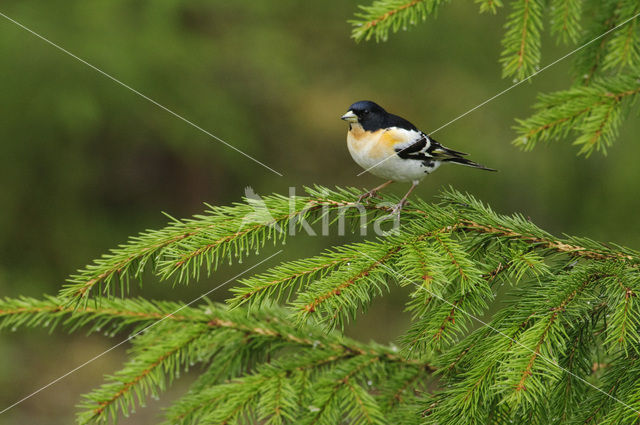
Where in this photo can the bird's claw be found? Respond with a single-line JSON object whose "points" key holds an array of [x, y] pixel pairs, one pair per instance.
{"points": [[368, 195], [398, 207]]}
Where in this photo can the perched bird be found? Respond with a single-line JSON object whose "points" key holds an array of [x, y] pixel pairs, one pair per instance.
{"points": [[391, 147]]}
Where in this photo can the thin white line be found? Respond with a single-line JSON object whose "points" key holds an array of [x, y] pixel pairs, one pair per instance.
{"points": [[138, 93], [502, 333], [136, 334], [516, 84]]}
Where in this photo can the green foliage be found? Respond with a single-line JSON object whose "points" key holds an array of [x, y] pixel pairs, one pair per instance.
{"points": [[592, 114], [489, 5], [562, 347], [607, 61], [385, 16], [623, 50], [565, 24], [184, 248], [521, 43]]}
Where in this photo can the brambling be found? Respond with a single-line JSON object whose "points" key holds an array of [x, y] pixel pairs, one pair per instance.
{"points": [[391, 147]]}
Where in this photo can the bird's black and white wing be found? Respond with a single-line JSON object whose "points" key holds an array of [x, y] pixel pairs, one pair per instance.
{"points": [[424, 148]]}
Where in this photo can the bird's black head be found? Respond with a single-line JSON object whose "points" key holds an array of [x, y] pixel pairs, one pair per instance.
{"points": [[368, 114]]}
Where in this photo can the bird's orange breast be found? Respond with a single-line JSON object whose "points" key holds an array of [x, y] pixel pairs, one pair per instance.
{"points": [[377, 144]]}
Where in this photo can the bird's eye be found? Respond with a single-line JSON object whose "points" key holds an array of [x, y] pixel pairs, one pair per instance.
{"points": [[365, 112]]}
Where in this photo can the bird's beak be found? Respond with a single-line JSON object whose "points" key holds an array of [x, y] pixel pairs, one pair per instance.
{"points": [[350, 117]]}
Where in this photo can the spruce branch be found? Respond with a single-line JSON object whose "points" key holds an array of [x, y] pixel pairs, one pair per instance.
{"points": [[384, 16], [279, 282], [339, 295], [594, 114], [196, 335], [183, 248], [533, 361], [567, 396], [624, 320], [489, 5], [116, 315], [437, 323], [544, 323], [210, 400], [130, 260], [521, 42], [565, 20], [588, 64], [623, 49], [290, 387], [339, 391], [481, 220], [162, 353], [111, 317], [560, 348]]}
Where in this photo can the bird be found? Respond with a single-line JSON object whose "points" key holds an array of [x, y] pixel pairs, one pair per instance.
{"points": [[390, 147]]}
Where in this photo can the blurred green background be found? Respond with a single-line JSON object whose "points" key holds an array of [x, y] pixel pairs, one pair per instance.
{"points": [[84, 163]]}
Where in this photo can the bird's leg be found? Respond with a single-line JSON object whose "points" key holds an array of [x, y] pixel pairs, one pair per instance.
{"points": [[403, 201], [373, 192]]}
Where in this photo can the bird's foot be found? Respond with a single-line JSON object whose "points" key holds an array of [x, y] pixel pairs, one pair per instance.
{"points": [[398, 207], [368, 195]]}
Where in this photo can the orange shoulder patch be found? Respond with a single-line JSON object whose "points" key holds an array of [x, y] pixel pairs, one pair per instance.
{"points": [[385, 146], [391, 137]]}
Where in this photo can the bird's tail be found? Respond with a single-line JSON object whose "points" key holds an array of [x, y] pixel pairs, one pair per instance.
{"points": [[467, 162]]}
